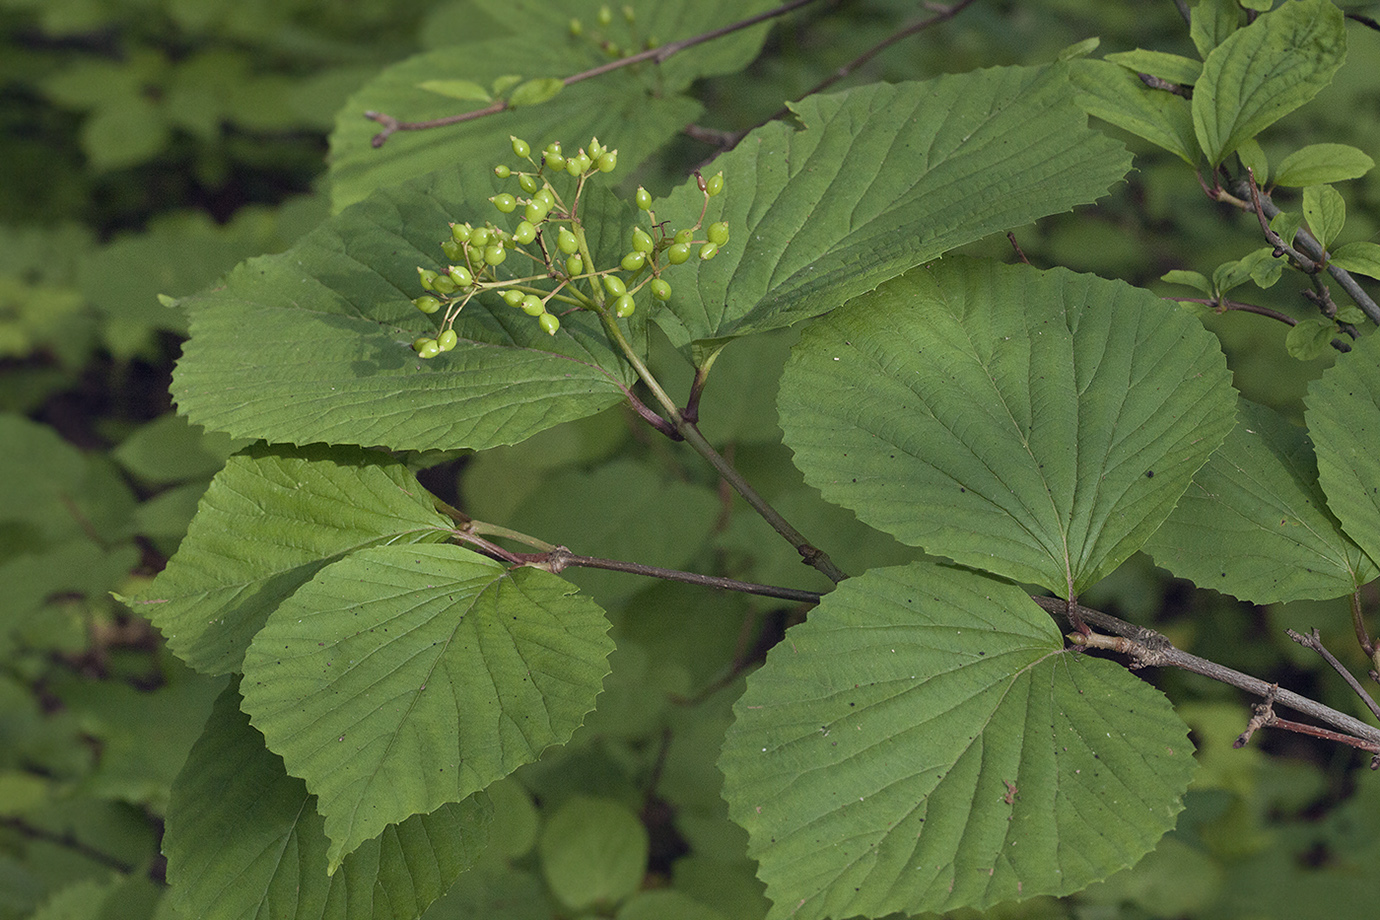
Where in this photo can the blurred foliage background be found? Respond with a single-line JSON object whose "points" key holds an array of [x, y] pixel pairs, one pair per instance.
{"points": [[148, 146]]}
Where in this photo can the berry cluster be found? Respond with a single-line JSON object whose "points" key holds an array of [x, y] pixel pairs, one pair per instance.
{"points": [[549, 241]]}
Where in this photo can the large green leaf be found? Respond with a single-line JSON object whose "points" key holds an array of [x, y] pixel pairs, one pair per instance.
{"points": [[1261, 73], [619, 108], [1255, 522], [405, 677], [269, 521], [1039, 425], [881, 178], [1116, 95], [1344, 419], [925, 742], [244, 840], [315, 344]]}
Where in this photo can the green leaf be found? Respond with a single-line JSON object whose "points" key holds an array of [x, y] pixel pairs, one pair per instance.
{"points": [[1263, 72], [1287, 224], [1196, 280], [1325, 211], [619, 108], [1172, 67], [925, 742], [124, 133], [1362, 258], [1320, 163], [1344, 418], [1254, 159], [456, 89], [315, 344], [1309, 338], [1211, 23], [405, 677], [593, 852], [1118, 97], [1038, 425], [535, 92], [244, 840], [270, 519], [881, 178], [1255, 522]]}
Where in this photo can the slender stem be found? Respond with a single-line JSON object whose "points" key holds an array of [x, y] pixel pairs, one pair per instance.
{"points": [[1223, 305], [1314, 641]]}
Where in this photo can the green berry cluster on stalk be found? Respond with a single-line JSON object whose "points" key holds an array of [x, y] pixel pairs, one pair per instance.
{"points": [[553, 274]]}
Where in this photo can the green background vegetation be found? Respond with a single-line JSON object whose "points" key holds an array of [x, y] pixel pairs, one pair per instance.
{"points": [[148, 146]]}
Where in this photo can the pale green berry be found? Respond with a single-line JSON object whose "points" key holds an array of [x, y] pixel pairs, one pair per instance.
{"points": [[709, 251], [505, 203], [453, 250], [520, 148], [661, 290], [678, 253], [574, 265], [525, 233], [447, 340], [642, 241], [460, 275], [714, 185], [502, 171], [443, 285], [643, 199], [479, 237], [567, 242], [577, 28], [623, 306], [717, 233], [427, 304], [585, 161], [426, 348], [554, 159], [427, 277], [605, 16], [460, 233], [615, 285], [573, 167], [607, 162], [512, 298], [685, 236], [547, 199], [595, 148], [535, 212], [549, 323], [494, 254], [528, 183], [633, 261], [532, 305], [629, 13]]}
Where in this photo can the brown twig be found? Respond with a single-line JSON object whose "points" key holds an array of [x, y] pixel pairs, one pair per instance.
{"points": [[1314, 641], [1223, 305]]}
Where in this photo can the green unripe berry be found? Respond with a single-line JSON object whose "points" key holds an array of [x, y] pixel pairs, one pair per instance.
{"points": [[577, 28], [520, 148], [643, 198], [479, 237], [585, 161], [535, 212], [717, 233], [460, 233], [678, 253], [547, 199], [642, 240], [595, 148], [528, 183], [623, 306], [605, 15], [629, 13], [607, 162], [615, 285], [709, 251], [633, 261], [566, 242], [447, 340], [549, 323], [427, 277], [525, 233], [512, 298], [685, 236], [573, 168], [427, 304], [532, 305], [575, 265], [661, 290], [453, 250], [554, 160], [714, 185], [494, 254], [460, 275], [505, 203], [443, 285], [426, 348], [502, 171]]}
